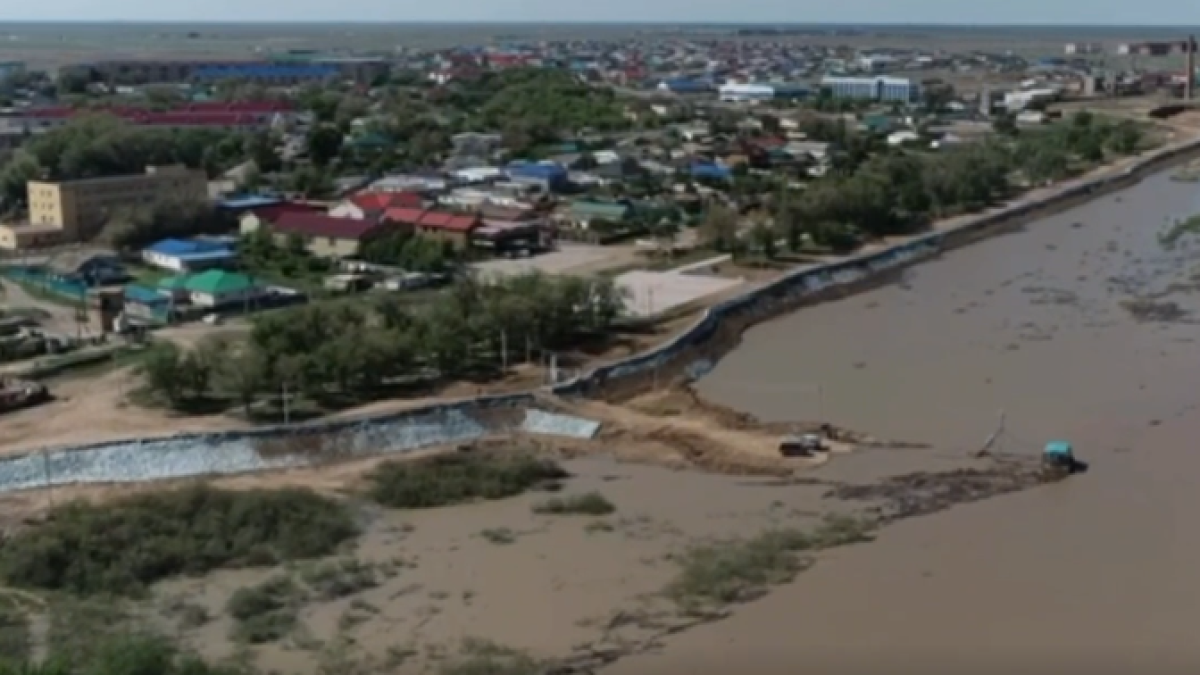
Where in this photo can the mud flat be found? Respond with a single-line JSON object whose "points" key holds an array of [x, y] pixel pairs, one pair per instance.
{"points": [[1094, 569]]}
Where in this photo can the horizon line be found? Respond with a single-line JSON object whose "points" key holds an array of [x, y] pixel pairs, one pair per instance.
{"points": [[586, 22]]}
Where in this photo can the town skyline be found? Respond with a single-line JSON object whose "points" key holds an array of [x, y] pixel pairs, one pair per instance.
{"points": [[918, 12]]}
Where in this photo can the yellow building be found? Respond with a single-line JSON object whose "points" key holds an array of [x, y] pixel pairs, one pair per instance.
{"points": [[80, 207]]}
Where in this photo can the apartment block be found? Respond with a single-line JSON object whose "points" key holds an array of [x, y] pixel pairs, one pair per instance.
{"points": [[897, 89], [80, 207]]}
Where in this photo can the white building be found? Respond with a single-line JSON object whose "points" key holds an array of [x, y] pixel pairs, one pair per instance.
{"points": [[741, 93]]}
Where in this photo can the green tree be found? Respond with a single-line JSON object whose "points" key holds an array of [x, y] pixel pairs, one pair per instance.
{"points": [[164, 372], [324, 144], [719, 229]]}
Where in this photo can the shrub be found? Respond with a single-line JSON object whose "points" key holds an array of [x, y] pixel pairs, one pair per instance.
{"points": [[265, 612], [590, 504], [15, 638], [499, 535], [121, 547], [480, 657], [339, 578], [455, 479], [124, 655]]}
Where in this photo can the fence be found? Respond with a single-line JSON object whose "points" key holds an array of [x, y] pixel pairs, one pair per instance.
{"points": [[32, 277], [691, 354]]}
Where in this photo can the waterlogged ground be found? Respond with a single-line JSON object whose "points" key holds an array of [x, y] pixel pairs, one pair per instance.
{"points": [[1082, 327]]}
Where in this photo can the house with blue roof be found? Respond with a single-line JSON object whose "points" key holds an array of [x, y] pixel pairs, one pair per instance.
{"points": [[187, 255], [711, 171]]}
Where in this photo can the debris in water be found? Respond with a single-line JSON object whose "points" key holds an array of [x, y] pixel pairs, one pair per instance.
{"points": [[1150, 311]]}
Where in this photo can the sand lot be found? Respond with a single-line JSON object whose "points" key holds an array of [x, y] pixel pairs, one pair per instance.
{"points": [[650, 293]]}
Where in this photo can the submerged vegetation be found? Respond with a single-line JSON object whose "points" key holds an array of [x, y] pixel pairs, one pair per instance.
{"points": [[122, 547], [458, 479], [735, 571], [1182, 227]]}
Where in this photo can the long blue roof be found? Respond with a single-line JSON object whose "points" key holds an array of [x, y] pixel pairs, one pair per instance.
{"points": [[182, 248], [261, 71]]}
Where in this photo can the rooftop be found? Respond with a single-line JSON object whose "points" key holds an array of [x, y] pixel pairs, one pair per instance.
{"points": [[309, 224], [217, 282]]}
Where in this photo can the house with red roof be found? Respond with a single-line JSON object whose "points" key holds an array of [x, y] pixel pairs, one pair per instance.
{"points": [[373, 205], [323, 235], [456, 228], [252, 220]]}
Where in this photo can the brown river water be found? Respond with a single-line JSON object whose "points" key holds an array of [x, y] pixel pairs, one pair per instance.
{"points": [[1101, 570]]}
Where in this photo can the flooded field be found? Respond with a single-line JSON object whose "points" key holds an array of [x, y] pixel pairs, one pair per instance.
{"points": [[1081, 327]]}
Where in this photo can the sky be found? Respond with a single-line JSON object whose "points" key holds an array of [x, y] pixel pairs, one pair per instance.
{"points": [[1072, 12]]}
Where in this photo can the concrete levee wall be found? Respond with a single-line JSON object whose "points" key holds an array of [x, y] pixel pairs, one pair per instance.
{"points": [[234, 452], [688, 356]]}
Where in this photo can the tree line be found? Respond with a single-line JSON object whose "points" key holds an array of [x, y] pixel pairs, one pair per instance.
{"points": [[351, 350], [99, 145], [895, 191]]}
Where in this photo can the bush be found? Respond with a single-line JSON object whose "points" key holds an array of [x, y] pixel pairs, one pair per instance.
{"points": [[124, 655], [266, 612], [122, 547], [457, 479], [15, 637], [590, 504], [480, 657], [339, 578], [729, 572]]}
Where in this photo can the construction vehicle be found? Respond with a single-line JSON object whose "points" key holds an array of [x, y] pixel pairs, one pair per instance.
{"points": [[1059, 461], [804, 445]]}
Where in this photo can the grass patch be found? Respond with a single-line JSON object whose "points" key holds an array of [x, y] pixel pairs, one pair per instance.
{"points": [[79, 629], [729, 572], [126, 654], [499, 535], [481, 657], [120, 548], [16, 640], [340, 578], [588, 504], [458, 479], [265, 612]]}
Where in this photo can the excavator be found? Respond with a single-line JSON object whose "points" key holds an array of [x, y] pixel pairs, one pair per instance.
{"points": [[1059, 462]]}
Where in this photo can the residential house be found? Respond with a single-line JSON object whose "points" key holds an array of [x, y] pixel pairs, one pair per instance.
{"points": [[710, 171], [92, 267], [548, 176], [879, 124], [252, 220], [327, 237], [582, 213], [500, 212], [221, 288], [371, 205], [456, 228], [184, 256]]}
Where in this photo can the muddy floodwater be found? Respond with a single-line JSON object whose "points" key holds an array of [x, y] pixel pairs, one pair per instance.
{"points": [[1081, 327]]}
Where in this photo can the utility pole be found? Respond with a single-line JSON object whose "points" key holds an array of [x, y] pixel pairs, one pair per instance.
{"points": [[46, 474], [504, 351], [287, 413]]}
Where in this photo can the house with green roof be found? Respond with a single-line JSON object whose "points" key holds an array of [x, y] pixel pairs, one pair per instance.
{"points": [[219, 288], [582, 212]]}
